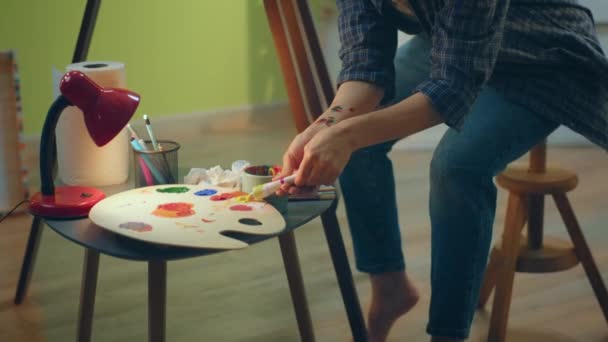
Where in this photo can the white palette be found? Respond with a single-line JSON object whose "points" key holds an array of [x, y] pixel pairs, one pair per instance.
{"points": [[187, 218]]}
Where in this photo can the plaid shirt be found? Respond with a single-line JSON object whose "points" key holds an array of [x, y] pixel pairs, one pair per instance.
{"points": [[542, 54]]}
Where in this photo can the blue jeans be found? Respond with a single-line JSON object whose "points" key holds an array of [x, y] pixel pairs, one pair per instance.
{"points": [[462, 195]]}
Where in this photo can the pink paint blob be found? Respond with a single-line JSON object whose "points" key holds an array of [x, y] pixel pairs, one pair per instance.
{"points": [[241, 207], [207, 220]]}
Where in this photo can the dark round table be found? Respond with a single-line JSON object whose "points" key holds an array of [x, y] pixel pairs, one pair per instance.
{"points": [[97, 240]]}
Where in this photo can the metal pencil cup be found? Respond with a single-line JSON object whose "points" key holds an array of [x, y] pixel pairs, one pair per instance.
{"points": [[152, 167]]}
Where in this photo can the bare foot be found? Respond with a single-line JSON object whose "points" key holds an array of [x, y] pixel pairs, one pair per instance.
{"points": [[393, 295]]}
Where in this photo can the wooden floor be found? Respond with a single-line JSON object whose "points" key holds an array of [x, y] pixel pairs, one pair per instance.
{"points": [[243, 296]]}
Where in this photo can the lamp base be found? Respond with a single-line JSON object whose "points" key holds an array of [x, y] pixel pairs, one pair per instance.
{"points": [[67, 202]]}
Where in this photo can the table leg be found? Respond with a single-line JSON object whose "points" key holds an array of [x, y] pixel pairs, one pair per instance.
{"points": [[87, 295], [29, 259], [344, 275], [157, 298], [289, 251]]}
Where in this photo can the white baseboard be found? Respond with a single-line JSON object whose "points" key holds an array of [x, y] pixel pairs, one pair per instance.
{"points": [[184, 118], [187, 124], [562, 137]]}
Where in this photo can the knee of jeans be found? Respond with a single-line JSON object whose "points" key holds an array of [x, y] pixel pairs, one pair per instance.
{"points": [[378, 149], [451, 168], [365, 163]]}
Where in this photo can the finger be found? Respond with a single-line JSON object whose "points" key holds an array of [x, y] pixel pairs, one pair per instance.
{"points": [[304, 171], [284, 189], [327, 176], [313, 177], [316, 175], [286, 169], [280, 192], [294, 190]]}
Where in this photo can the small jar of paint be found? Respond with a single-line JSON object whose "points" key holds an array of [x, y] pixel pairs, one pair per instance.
{"points": [[260, 174]]}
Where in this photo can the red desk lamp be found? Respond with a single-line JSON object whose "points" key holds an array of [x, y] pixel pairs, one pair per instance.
{"points": [[106, 112]]}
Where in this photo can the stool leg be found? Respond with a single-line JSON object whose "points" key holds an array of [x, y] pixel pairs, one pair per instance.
{"points": [[289, 251], [344, 275], [506, 271], [90, 269], [28, 260], [582, 250], [489, 279], [157, 299]]}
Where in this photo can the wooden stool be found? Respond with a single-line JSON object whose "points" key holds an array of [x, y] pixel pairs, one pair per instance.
{"points": [[527, 188]]}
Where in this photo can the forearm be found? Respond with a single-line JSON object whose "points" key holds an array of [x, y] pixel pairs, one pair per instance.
{"points": [[352, 98], [412, 115]]}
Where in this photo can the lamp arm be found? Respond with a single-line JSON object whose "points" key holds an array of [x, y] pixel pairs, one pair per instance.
{"points": [[47, 145]]}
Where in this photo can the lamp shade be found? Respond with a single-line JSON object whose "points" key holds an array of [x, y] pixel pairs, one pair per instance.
{"points": [[106, 111]]}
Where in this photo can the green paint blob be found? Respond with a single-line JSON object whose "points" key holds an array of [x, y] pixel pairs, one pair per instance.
{"points": [[174, 190]]}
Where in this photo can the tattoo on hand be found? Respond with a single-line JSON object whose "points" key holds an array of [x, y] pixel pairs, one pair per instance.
{"points": [[328, 121], [337, 109]]}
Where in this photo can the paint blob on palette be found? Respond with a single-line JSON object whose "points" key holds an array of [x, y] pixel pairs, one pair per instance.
{"points": [[187, 216], [136, 226]]}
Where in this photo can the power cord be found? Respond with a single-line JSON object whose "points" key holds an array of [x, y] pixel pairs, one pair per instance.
{"points": [[14, 208]]}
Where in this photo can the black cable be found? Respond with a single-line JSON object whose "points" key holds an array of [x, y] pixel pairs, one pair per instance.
{"points": [[14, 208]]}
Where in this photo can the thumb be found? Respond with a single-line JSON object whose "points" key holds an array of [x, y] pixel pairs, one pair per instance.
{"points": [[287, 168]]}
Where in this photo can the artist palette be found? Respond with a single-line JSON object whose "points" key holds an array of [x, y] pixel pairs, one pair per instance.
{"points": [[186, 215]]}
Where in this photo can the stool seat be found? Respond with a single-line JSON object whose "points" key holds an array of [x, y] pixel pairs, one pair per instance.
{"points": [[555, 255], [553, 180]]}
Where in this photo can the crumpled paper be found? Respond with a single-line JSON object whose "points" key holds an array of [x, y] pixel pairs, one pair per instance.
{"points": [[217, 176]]}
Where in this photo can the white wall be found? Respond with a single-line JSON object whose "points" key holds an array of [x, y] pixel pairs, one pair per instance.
{"points": [[429, 138]]}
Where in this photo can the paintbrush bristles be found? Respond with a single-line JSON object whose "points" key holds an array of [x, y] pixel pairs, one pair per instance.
{"points": [[258, 192]]}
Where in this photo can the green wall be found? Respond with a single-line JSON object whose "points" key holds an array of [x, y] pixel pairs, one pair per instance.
{"points": [[182, 56]]}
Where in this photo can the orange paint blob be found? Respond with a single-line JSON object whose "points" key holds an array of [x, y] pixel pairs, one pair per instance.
{"points": [[175, 209], [227, 195]]}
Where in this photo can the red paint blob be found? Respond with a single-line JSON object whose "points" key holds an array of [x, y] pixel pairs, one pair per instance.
{"points": [[241, 207], [227, 195], [207, 221]]}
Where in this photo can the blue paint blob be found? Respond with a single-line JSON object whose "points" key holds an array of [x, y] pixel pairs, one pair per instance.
{"points": [[206, 192]]}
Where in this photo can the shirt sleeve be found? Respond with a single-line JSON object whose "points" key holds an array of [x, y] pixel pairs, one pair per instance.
{"points": [[466, 39], [368, 45]]}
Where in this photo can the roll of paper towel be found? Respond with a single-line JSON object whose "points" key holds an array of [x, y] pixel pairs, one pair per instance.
{"points": [[80, 161]]}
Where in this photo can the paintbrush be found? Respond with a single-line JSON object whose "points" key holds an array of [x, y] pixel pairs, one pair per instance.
{"points": [[264, 190], [150, 132]]}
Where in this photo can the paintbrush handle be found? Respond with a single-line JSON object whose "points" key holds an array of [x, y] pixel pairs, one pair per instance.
{"points": [[272, 187]]}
